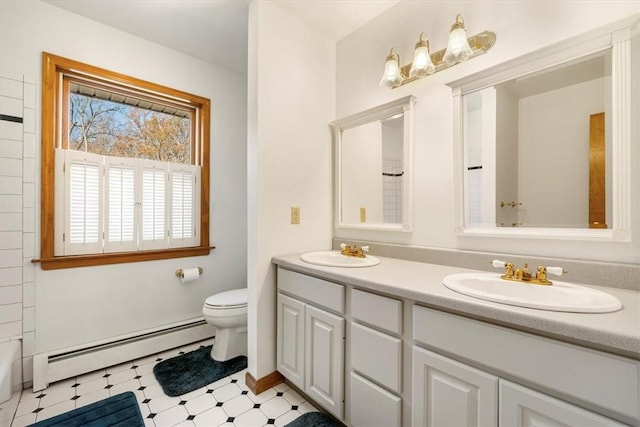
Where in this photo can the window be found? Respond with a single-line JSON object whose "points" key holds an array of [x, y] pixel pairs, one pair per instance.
{"points": [[125, 167]]}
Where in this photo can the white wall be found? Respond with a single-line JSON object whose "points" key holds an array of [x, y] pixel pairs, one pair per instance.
{"points": [[521, 27], [506, 154], [81, 305], [361, 149], [291, 85], [553, 155]]}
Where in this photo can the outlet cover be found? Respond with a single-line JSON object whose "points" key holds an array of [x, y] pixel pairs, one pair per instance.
{"points": [[295, 215]]}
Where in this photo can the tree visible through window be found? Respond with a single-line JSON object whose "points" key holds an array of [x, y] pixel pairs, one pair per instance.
{"points": [[124, 168], [103, 126]]}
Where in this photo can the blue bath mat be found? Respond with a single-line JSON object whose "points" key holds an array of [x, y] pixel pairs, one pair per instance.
{"points": [[314, 419], [120, 410], [190, 371]]}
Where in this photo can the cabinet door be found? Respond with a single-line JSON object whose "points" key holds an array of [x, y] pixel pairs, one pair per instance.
{"points": [[290, 339], [521, 406], [324, 359], [449, 393]]}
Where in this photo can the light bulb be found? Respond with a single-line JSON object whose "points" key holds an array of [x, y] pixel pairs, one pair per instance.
{"points": [[422, 64], [391, 76], [458, 48]]}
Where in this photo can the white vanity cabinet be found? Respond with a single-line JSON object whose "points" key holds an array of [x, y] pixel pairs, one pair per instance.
{"points": [[310, 337], [376, 360], [483, 391]]}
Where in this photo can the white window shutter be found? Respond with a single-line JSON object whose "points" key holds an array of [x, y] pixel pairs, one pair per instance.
{"points": [[114, 204], [83, 203], [120, 207], [154, 198], [185, 205]]}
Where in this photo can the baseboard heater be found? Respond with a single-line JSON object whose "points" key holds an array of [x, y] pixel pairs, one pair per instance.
{"points": [[70, 362]]}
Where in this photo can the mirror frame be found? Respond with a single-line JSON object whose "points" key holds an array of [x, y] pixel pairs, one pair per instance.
{"points": [[403, 105], [617, 37]]}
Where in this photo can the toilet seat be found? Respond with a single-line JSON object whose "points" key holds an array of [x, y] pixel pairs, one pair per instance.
{"points": [[236, 298]]}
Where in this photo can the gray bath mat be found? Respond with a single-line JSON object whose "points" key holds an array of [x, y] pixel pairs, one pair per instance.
{"points": [[121, 410], [190, 371], [314, 419]]}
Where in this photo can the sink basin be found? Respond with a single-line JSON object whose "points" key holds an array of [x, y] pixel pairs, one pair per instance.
{"points": [[336, 259], [561, 296]]}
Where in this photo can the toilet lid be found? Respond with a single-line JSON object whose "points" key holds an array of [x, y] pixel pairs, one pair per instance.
{"points": [[234, 298]]}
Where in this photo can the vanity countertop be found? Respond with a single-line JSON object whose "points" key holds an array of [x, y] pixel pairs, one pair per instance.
{"points": [[617, 332]]}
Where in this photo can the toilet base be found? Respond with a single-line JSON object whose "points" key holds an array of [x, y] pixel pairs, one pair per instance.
{"points": [[229, 343]]}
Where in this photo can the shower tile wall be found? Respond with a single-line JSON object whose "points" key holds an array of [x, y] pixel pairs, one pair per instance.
{"points": [[392, 190], [17, 212], [473, 186]]}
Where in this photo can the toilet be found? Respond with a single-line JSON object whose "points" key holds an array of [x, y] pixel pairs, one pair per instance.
{"points": [[227, 311]]}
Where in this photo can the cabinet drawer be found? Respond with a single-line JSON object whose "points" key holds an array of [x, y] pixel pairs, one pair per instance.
{"points": [[602, 380], [372, 406], [319, 292], [382, 312], [377, 355]]}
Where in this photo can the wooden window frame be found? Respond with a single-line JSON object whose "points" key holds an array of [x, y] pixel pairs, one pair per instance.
{"points": [[54, 104]]}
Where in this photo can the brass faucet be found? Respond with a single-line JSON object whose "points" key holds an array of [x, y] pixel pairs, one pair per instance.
{"points": [[524, 275], [355, 251]]}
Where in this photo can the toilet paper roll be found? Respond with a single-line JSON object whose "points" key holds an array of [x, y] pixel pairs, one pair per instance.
{"points": [[190, 275]]}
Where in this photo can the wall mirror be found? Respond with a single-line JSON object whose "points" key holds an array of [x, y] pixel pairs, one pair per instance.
{"points": [[373, 167], [543, 141]]}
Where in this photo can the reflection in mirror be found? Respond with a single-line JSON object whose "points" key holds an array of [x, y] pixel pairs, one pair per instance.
{"points": [[392, 168], [372, 183], [542, 142], [544, 138], [373, 151]]}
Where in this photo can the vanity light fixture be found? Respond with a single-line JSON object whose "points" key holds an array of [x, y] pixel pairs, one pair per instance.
{"points": [[459, 49]]}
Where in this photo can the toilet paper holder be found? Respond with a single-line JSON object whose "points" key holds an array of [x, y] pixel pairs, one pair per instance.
{"points": [[180, 273]]}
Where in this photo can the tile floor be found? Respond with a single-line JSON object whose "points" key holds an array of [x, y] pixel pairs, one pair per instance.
{"points": [[226, 402]]}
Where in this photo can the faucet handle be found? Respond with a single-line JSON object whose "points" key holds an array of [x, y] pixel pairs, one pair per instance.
{"points": [[498, 264], [558, 271], [343, 245], [365, 248]]}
